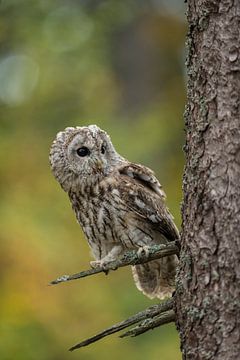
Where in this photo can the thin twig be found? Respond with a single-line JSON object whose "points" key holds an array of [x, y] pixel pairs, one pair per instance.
{"points": [[150, 312], [129, 258], [149, 324]]}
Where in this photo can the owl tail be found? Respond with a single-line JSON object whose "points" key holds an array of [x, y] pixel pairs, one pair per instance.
{"points": [[156, 279]]}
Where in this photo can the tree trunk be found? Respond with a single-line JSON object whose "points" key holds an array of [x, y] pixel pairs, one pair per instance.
{"points": [[208, 284]]}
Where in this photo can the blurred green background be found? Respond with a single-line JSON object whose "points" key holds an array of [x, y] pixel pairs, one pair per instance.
{"points": [[117, 64]]}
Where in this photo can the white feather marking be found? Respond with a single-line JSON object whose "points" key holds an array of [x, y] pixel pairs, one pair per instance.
{"points": [[158, 190], [139, 203], [145, 177], [153, 218], [130, 173], [94, 129], [100, 216], [116, 192], [60, 135]]}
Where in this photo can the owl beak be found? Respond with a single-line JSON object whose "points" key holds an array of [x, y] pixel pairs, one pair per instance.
{"points": [[99, 164]]}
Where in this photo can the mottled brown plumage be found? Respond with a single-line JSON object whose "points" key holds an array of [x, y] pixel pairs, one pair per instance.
{"points": [[119, 205]]}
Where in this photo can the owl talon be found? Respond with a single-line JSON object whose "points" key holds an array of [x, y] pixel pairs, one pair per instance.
{"points": [[96, 263], [103, 265], [143, 252], [99, 263]]}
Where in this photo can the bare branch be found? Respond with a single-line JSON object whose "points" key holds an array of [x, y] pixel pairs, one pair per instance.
{"points": [[150, 312], [129, 258], [150, 324]]}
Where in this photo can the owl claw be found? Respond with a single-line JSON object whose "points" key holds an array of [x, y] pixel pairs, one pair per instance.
{"points": [[99, 263], [96, 263], [143, 251]]}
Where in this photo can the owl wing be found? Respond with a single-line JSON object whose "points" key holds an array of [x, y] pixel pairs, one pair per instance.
{"points": [[143, 195]]}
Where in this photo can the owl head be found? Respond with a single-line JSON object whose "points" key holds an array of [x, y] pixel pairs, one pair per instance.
{"points": [[82, 155]]}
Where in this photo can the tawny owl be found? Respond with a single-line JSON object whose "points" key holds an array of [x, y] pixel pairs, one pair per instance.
{"points": [[119, 205]]}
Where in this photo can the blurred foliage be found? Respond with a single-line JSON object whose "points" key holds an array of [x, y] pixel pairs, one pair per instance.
{"points": [[117, 64]]}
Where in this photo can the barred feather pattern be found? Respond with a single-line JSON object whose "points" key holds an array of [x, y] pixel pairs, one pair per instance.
{"points": [[119, 205]]}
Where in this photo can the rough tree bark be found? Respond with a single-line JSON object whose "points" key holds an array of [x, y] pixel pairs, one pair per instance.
{"points": [[208, 286]]}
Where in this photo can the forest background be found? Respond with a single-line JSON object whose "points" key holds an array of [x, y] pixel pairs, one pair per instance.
{"points": [[117, 64]]}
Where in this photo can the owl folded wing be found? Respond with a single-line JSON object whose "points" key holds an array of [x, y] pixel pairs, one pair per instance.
{"points": [[144, 196]]}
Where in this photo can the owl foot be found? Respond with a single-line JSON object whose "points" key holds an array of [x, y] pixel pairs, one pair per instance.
{"points": [[99, 263], [143, 251], [107, 262], [103, 264]]}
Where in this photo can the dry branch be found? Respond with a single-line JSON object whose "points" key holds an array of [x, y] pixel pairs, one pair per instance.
{"points": [[129, 258], [156, 314], [150, 324]]}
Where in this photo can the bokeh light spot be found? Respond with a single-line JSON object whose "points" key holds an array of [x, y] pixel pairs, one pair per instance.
{"points": [[66, 28], [18, 78]]}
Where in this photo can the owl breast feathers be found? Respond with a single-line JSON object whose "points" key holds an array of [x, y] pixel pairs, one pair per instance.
{"points": [[119, 205]]}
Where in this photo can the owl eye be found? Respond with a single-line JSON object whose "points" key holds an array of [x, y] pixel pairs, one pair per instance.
{"points": [[103, 149], [83, 151]]}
